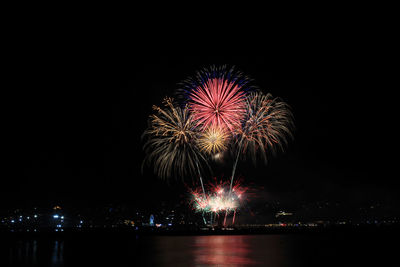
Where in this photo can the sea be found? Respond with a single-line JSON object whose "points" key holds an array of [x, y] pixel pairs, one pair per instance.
{"points": [[294, 249]]}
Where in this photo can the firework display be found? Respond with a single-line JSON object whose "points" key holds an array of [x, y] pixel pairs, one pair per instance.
{"points": [[221, 111]]}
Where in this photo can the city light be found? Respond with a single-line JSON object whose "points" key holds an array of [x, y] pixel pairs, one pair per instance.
{"points": [[171, 220]]}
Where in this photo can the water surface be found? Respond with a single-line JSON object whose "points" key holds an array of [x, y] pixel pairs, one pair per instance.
{"points": [[215, 250]]}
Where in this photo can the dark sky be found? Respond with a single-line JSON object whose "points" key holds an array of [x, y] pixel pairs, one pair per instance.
{"points": [[77, 106]]}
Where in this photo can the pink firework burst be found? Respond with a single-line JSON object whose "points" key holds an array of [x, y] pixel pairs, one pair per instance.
{"points": [[217, 97], [218, 199]]}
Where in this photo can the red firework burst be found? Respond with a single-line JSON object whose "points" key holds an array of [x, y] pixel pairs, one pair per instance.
{"points": [[216, 98]]}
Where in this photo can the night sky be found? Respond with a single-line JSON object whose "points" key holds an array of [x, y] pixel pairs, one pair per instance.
{"points": [[76, 109]]}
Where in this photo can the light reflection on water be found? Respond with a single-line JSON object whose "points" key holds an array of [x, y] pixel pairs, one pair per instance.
{"points": [[57, 253], [221, 250], [23, 252], [224, 250], [149, 251]]}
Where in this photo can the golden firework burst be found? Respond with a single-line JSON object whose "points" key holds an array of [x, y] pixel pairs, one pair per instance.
{"points": [[213, 140], [171, 142]]}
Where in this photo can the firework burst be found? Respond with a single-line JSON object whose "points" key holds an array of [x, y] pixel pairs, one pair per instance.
{"points": [[171, 142], [213, 140], [216, 96], [267, 125], [218, 199]]}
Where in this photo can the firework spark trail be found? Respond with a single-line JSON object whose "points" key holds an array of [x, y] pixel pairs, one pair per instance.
{"points": [[234, 166], [202, 186], [216, 97], [267, 124], [233, 174], [226, 213]]}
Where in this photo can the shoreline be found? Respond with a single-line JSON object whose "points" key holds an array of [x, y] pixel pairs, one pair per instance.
{"points": [[51, 233]]}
